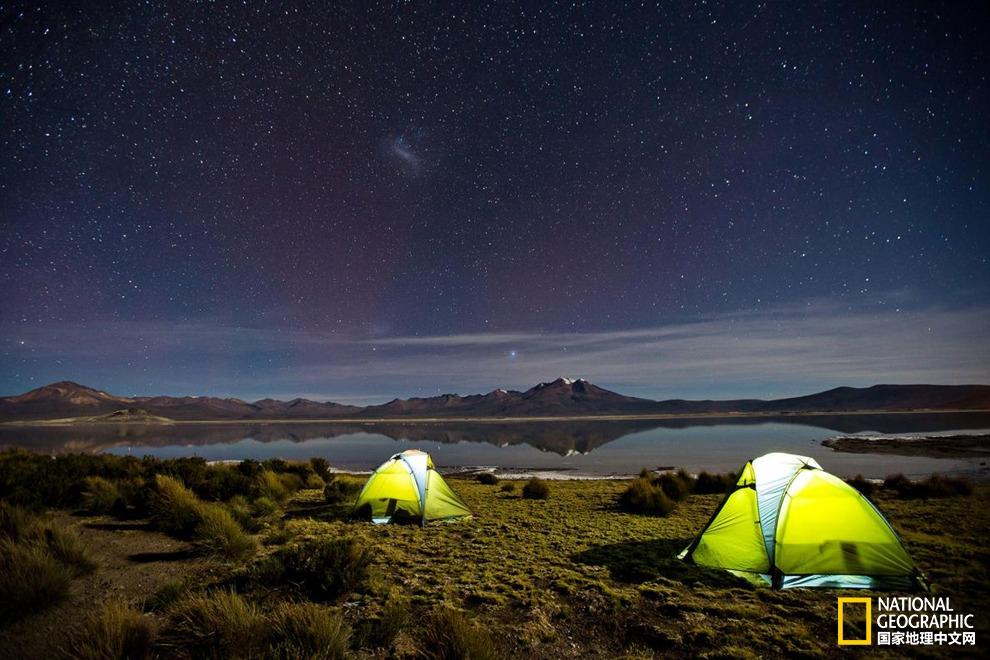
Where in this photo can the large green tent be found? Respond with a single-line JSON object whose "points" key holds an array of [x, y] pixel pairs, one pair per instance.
{"points": [[408, 487], [791, 524]]}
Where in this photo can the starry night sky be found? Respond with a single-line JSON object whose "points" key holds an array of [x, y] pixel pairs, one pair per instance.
{"points": [[387, 199]]}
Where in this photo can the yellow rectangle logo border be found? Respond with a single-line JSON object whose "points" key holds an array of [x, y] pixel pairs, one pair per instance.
{"points": [[869, 621]]}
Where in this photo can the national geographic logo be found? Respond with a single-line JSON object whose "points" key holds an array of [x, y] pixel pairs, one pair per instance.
{"points": [[903, 621], [867, 638]]}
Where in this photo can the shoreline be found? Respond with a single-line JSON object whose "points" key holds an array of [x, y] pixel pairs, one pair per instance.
{"points": [[77, 421], [970, 446]]}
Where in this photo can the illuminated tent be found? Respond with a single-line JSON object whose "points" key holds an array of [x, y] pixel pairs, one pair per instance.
{"points": [[406, 487], [791, 524]]}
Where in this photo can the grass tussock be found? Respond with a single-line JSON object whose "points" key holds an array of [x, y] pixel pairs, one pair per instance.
{"points": [[244, 513], [658, 494], [218, 533], [447, 634], [568, 577], [323, 568], [935, 486], [862, 484], [307, 630], [268, 484], [314, 482], [223, 624], [536, 489], [713, 484], [676, 486], [507, 487], [101, 496], [645, 496], [31, 579], [339, 491], [265, 507], [38, 562], [487, 478], [116, 632], [320, 467], [67, 548], [86, 480], [175, 509], [220, 624], [166, 595], [210, 526], [382, 630]]}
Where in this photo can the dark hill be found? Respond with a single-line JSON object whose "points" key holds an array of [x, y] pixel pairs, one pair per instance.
{"points": [[563, 397]]}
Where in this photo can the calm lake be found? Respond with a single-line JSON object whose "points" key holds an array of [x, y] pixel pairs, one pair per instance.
{"points": [[576, 448]]}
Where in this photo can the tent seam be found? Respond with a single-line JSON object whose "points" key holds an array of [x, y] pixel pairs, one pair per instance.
{"points": [[774, 571]]}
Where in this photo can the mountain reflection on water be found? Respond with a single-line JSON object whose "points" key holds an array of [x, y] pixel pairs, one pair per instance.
{"points": [[593, 447]]}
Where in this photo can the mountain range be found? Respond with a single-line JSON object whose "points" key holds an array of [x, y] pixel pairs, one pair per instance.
{"points": [[563, 397]]}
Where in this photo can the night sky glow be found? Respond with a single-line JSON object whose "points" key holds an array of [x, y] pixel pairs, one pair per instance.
{"points": [[393, 199]]}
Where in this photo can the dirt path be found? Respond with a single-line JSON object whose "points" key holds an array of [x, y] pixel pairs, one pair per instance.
{"points": [[132, 562]]}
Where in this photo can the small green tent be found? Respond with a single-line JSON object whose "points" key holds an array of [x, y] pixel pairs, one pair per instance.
{"points": [[408, 487], [791, 524]]}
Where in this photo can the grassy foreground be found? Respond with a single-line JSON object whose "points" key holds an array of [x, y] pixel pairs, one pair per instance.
{"points": [[281, 573]]}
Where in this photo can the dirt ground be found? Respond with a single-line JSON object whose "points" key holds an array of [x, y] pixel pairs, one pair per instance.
{"points": [[132, 562]]}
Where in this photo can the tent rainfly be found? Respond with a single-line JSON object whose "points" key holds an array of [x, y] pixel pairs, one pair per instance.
{"points": [[407, 487], [789, 523]]}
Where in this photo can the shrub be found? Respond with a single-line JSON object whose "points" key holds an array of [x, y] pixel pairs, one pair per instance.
{"points": [[683, 475], [863, 485], [175, 509], [320, 467], [939, 485], [380, 632], [315, 482], [165, 595], [217, 533], [896, 482], [16, 523], [936, 485], [292, 482], [278, 535], [135, 498], [115, 632], [43, 481], [265, 507], [31, 579], [275, 464], [338, 491], [211, 527], [326, 568], [644, 496], [307, 630], [268, 484], [448, 635], [674, 486], [66, 547], [100, 496], [536, 489], [713, 484], [507, 487], [249, 467], [220, 482], [242, 512], [20, 527], [37, 480], [215, 625], [487, 478]]}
